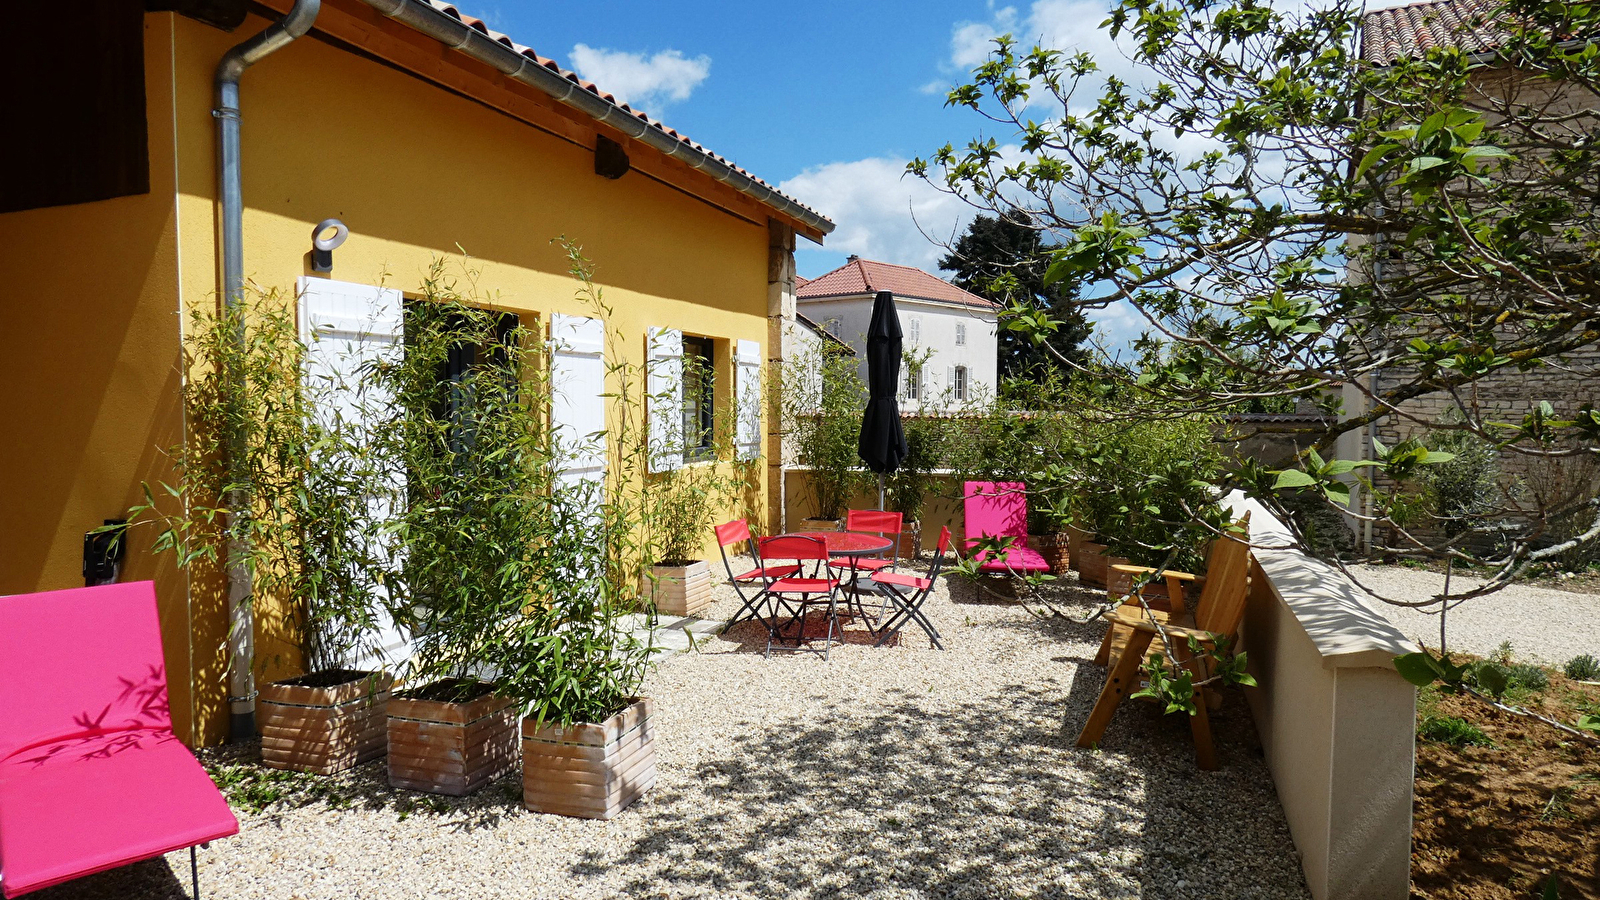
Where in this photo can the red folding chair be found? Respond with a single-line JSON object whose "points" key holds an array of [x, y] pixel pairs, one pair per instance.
{"points": [[872, 521], [729, 536], [909, 593], [91, 775], [868, 521], [794, 595]]}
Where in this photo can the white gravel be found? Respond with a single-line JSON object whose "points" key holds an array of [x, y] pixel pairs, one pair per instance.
{"points": [[1542, 624], [897, 772]]}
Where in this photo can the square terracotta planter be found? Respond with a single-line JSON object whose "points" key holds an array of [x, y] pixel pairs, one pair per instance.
{"points": [[814, 524], [325, 722], [453, 748], [590, 771], [679, 590], [1090, 561], [1054, 548]]}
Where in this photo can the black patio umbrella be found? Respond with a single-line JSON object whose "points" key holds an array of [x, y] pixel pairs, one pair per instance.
{"points": [[883, 441]]}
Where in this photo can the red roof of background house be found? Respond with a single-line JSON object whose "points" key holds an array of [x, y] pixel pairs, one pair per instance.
{"points": [[801, 281], [478, 25], [864, 276], [1404, 32]]}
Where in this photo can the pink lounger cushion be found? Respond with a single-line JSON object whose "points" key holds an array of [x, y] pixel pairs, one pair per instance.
{"points": [[997, 509], [91, 775], [1012, 559]]}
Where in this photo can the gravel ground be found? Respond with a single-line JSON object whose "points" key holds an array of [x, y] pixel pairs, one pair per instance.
{"points": [[896, 772], [1547, 625]]}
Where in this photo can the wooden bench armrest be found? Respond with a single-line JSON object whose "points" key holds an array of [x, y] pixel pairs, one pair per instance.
{"points": [[1142, 570], [1141, 623]]}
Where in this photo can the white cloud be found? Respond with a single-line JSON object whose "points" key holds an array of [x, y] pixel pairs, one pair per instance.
{"points": [[880, 212], [644, 82]]}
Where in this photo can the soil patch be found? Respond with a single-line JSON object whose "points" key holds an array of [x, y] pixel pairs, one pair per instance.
{"points": [[449, 690], [1494, 821], [327, 678]]}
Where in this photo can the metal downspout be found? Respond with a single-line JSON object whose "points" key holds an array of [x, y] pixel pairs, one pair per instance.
{"points": [[241, 626]]}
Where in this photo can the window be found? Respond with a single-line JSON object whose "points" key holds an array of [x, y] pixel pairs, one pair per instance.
{"points": [[914, 330], [699, 395], [910, 387], [479, 348], [960, 380], [961, 334]]}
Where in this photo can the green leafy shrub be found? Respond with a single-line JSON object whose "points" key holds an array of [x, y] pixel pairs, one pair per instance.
{"points": [[1465, 486], [1451, 730], [907, 488], [1146, 488], [1582, 668], [305, 483], [1528, 677], [820, 405]]}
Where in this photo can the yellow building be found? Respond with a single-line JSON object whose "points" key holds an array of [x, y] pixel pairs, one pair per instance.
{"points": [[419, 130]]}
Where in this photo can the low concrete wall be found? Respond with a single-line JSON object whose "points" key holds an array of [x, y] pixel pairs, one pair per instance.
{"points": [[1337, 722]]}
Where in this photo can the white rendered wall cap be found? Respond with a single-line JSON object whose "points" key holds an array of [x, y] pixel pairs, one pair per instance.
{"points": [[1332, 610]]}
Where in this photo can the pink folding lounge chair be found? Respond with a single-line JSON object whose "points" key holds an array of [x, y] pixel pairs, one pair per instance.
{"points": [[91, 775], [1000, 509]]}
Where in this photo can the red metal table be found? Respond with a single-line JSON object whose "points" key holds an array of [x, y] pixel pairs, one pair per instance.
{"points": [[848, 543], [852, 545]]}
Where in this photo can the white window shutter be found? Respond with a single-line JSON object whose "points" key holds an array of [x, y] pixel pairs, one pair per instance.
{"points": [[665, 402], [950, 377], [344, 327], [578, 404], [747, 393]]}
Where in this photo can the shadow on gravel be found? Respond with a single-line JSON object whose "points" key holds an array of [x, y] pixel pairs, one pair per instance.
{"points": [[978, 805], [265, 794]]}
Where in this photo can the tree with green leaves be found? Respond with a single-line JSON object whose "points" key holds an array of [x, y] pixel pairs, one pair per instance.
{"points": [[1003, 259], [1293, 216]]}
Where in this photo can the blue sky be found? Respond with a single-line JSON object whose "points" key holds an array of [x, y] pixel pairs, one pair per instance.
{"points": [[827, 100]]}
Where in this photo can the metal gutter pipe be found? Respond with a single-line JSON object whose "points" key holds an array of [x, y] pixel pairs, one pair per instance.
{"points": [[457, 35], [230, 188]]}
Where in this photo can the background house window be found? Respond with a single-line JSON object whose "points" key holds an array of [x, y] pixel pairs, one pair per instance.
{"points": [[699, 387], [910, 386], [961, 334], [960, 380], [914, 330]]}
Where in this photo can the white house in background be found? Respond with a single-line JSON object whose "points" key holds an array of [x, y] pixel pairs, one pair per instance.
{"points": [[951, 329]]}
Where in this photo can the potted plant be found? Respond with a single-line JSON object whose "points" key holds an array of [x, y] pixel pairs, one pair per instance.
{"points": [[906, 489], [467, 428], [1149, 500], [575, 667], [821, 407], [677, 518], [311, 547]]}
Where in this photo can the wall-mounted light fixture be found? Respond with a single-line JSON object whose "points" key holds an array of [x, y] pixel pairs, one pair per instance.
{"points": [[326, 238]]}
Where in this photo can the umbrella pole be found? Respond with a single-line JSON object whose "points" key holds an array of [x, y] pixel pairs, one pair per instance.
{"points": [[880, 491]]}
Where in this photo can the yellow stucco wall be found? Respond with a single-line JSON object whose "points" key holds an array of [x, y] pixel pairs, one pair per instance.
{"points": [[413, 170], [89, 319]]}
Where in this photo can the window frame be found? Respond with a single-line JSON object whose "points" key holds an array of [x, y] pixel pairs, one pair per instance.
{"points": [[701, 378]]}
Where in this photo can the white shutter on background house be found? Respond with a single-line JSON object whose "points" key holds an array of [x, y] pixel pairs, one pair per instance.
{"points": [[665, 402], [578, 404], [747, 394], [345, 326]]}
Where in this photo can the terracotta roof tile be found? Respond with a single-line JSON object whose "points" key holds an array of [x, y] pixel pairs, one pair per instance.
{"points": [[865, 276], [1403, 32], [450, 9]]}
